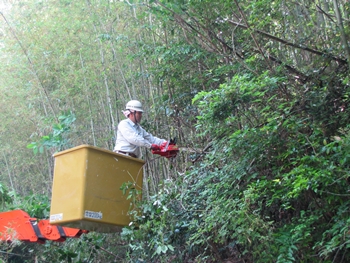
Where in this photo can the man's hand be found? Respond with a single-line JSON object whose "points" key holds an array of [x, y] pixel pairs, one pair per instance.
{"points": [[155, 147], [163, 145]]}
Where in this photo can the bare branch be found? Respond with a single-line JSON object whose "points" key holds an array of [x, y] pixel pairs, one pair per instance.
{"points": [[287, 43]]}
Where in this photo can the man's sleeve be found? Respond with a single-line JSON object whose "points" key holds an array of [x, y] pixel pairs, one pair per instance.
{"points": [[152, 139], [131, 135]]}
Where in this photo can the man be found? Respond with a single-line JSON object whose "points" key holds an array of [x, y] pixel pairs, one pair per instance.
{"points": [[131, 136]]}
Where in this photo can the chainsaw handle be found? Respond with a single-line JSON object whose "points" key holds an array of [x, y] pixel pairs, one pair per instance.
{"points": [[172, 141]]}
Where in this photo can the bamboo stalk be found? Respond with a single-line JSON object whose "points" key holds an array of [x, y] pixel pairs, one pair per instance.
{"points": [[31, 64], [342, 31], [8, 171], [89, 101]]}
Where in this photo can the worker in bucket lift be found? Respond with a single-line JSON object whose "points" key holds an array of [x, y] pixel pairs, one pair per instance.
{"points": [[131, 136]]}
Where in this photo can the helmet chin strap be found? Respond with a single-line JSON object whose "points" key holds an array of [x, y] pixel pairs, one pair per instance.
{"points": [[135, 117], [135, 120]]}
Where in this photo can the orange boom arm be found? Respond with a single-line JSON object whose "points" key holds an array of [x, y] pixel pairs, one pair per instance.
{"points": [[18, 225]]}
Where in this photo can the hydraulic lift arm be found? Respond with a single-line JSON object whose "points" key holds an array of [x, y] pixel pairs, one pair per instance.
{"points": [[18, 225]]}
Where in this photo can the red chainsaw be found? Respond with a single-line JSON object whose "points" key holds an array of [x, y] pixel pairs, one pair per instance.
{"points": [[168, 150]]}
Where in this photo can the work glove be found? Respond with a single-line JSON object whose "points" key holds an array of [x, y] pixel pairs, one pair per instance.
{"points": [[155, 147], [163, 145]]}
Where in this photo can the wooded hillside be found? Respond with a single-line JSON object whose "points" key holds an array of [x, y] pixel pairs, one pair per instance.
{"points": [[256, 92]]}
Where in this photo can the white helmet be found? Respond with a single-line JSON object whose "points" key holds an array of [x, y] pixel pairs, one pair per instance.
{"points": [[134, 105]]}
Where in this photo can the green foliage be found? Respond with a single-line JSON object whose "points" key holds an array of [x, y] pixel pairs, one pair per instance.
{"points": [[156, 232], [336, 238], [295, 236], [36, 205], [225, 107], [58, 139], [284, 184], [6, 197]]}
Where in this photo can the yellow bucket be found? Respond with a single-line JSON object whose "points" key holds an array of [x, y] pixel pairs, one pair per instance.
{"points": [[86, 190]]}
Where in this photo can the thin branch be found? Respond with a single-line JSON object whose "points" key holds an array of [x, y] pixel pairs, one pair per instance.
{"points": [[346, 195], [287, 43], [251, 34], [324, 12], [302, 77], [200, 35]]}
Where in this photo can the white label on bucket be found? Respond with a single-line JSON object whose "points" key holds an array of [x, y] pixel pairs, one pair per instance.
{"points": [[92, 214], [56, 217]]}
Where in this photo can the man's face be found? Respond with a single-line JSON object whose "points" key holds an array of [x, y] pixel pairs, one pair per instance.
{"points": [[138, 116]]}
